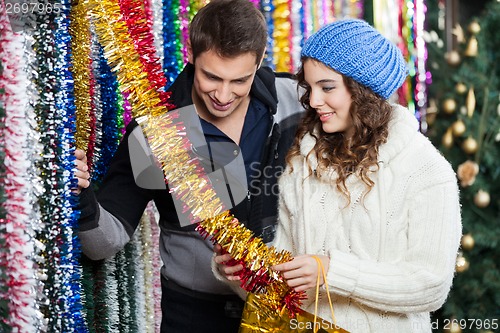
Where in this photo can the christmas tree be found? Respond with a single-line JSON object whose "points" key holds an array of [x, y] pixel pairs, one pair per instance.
{"points": [[464, 122]]}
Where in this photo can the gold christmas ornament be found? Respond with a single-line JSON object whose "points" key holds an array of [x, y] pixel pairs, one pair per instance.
{"points": [[430, 118], [462, 264], [452, 58], [474, 28], [458, 128], [470, 145], [463, 110], [449, 105], [447, 139], [459, 33], [467, 242], [467, 173], [432, 108], [482, 199], [471, 50], [498, 106], [431, 112], [460, 88], [470, 102], [455, 327]]}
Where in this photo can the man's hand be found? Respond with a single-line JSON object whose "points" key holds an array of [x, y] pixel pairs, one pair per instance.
{"points": [[82, 171], [224, 269]]}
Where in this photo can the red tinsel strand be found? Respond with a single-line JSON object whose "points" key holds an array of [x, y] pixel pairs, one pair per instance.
{"points": [[140, 31], [148, 12], [293, 300]]}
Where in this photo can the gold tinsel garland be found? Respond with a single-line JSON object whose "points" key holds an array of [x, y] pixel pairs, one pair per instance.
{"points": [[80, 45], [281, 35], [183, 172]]}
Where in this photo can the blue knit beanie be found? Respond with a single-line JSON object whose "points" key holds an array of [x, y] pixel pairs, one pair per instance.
{"points": [[354, 48]]}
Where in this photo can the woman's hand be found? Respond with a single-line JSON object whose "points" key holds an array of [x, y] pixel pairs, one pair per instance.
{"points": [[82, 171], [224, 269], [301, 273]]}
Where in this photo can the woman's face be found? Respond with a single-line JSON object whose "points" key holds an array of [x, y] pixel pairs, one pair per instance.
{"points": [[329, 97]]}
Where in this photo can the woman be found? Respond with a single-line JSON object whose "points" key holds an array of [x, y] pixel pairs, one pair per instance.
{"points": [[364, 191]]}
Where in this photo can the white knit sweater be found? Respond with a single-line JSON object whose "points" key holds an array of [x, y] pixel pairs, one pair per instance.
{"points": [[392, 256]]}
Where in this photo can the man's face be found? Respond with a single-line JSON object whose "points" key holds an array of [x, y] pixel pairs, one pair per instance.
{"points": [[222, 85]]}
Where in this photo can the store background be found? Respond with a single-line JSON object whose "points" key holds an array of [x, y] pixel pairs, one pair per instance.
{"points": [[58, 92]]}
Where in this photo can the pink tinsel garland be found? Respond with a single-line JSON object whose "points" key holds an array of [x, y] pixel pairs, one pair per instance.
{"points": [[18, 250]]}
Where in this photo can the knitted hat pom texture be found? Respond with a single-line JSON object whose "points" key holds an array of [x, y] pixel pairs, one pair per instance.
{"points": [[354, 48]]}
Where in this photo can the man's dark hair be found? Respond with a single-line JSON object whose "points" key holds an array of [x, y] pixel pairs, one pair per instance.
{"points": [[230, 28]]}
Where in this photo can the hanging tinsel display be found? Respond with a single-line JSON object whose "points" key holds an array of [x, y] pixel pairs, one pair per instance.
{"points": [[96, 137], [172, 56], [267, 10], [290, 22], [151, 232], [48, 123], [20, 217], [405, 27], [183, 28], [125, 302], [281, 34], [157, 28], [83, 87], [149, 268], [421, 75], [297, 29], [110, 111], [63, 248], [119, 289]]}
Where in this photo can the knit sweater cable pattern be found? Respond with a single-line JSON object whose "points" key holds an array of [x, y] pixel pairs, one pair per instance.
{"points": [[393, 253]]}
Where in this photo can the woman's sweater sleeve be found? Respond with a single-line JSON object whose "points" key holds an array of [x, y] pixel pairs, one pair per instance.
{"points": [[422, 279]]}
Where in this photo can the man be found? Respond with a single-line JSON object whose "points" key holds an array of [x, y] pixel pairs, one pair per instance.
{"points": [[237, 102]]}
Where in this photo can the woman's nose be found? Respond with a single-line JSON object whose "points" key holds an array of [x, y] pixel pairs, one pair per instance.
{"points": [[315, 100]]}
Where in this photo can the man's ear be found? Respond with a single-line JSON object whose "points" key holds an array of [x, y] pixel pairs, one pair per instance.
{"points": [[261, 59], [189, 50]]}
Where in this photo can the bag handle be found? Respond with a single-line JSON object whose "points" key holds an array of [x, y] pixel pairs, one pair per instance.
{"points": [[321, 271]]}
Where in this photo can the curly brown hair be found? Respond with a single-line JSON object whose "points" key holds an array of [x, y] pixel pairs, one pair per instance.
{"points": [[370, 115]]}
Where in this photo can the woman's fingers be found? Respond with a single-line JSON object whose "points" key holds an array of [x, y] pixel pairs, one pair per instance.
{"points": [[301, 273]]}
